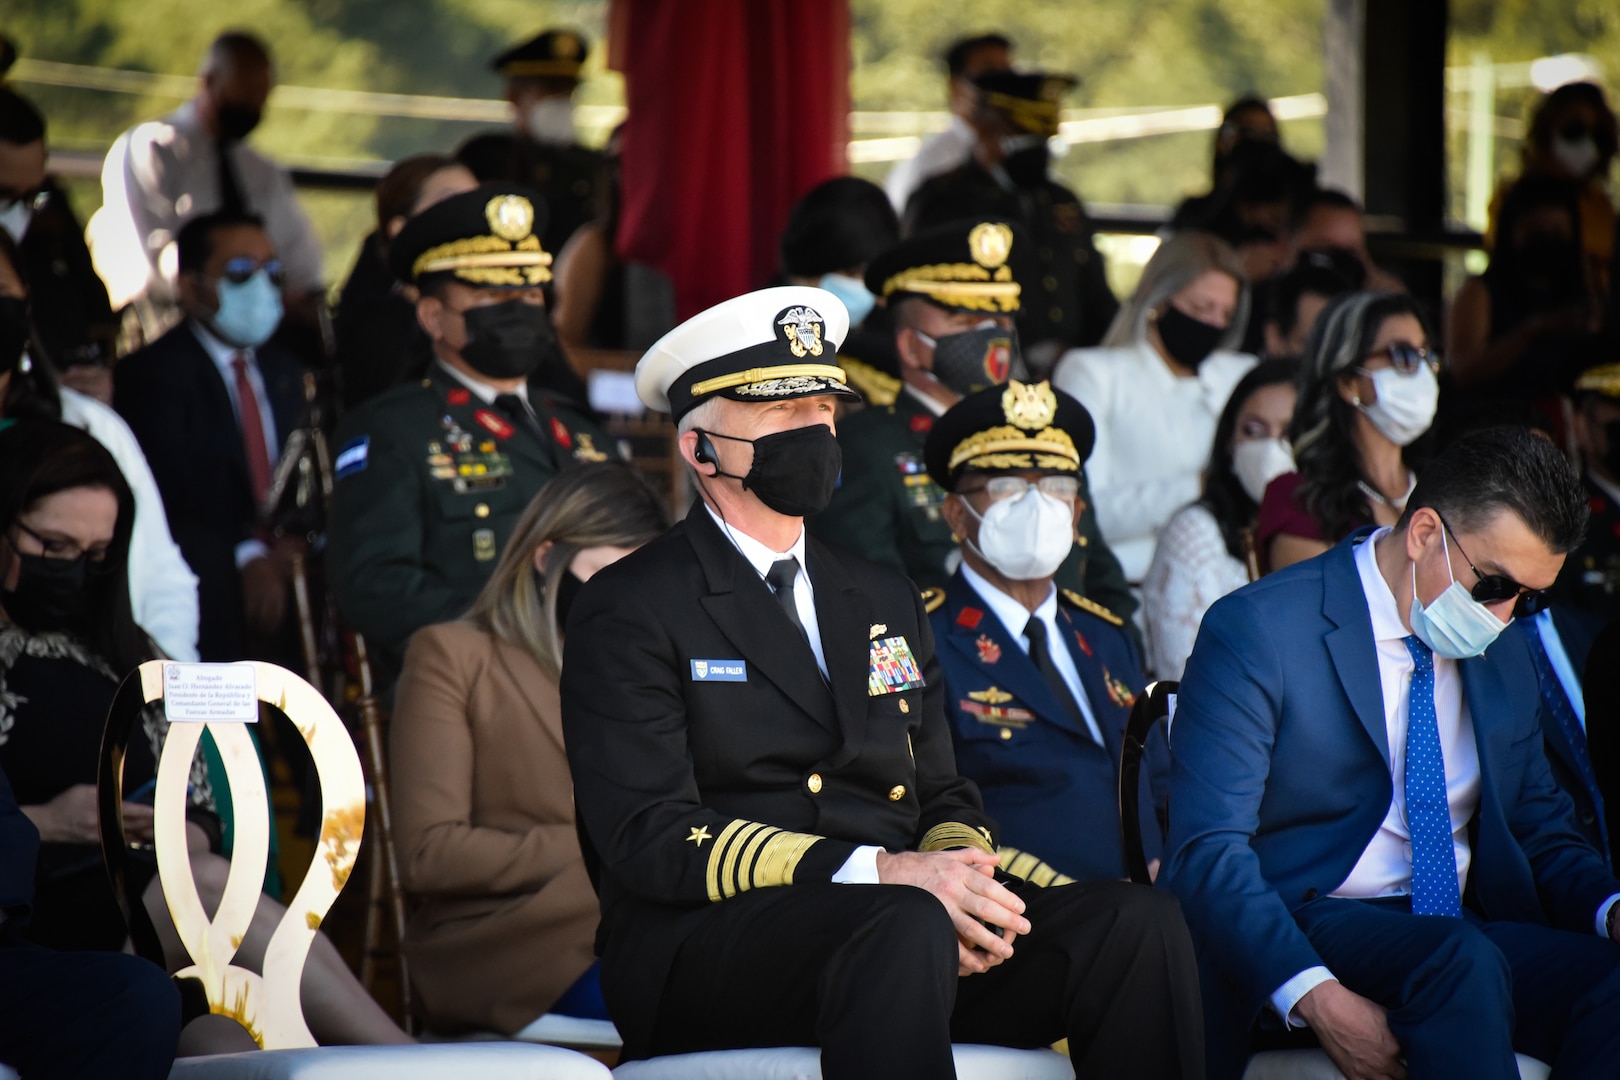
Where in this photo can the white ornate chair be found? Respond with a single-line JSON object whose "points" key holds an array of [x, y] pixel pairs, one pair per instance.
{"points": [[973, 1062], [268, 1006], [1315, 1065]]}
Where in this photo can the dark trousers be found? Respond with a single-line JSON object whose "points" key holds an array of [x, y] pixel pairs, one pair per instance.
{"points": [[868, 973], [1463, 994], [73, 1015]]}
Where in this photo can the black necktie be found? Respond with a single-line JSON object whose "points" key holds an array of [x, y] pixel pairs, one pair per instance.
{"points": [[1035, 630], [781, 577], [517, 412], [230, 189]]}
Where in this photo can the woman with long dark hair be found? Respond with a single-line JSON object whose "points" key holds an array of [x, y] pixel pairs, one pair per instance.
{"points": [[67, 639], [1207, 549], [1367, 391]]}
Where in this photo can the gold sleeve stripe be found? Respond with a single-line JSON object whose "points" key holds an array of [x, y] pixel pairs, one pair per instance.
{"points": [[751, 855], [953, 834], [1025, 865]]}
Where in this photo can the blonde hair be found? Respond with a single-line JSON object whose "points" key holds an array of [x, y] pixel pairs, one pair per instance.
{"points": [[1180, 261], [603, 504]]}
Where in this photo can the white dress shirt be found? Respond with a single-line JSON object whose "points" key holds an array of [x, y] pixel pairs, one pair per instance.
{"points": [[482, 390], [160, 174], [224, 355], [1014, 616], [1154, 431], [162, 588], [1385, 867], [939, 153]]}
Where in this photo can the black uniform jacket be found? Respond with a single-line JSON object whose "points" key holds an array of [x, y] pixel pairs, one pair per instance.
{"points": [[710, 758]]}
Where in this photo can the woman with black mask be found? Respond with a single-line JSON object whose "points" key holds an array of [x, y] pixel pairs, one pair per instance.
{"points": [[503, 914], [1516, 331], [1155, 388], [67, 638]]}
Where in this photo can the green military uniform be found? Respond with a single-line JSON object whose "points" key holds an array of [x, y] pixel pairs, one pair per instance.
{"points": [[886, 507], [431, 477]]}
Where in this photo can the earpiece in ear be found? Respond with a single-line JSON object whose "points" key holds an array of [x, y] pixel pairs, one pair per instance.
{"points": [[703, 452]]}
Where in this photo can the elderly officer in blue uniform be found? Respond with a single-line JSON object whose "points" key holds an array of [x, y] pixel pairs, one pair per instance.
{"points": [[1039, 680], [785, 850]]}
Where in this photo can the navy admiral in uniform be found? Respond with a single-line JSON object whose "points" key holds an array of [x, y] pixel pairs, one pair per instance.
{"points": [[760, 756], [1068, 304], [951, 295], [432, 475], [1039, 680]]}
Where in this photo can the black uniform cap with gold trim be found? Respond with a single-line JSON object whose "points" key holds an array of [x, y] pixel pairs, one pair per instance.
{"points": [[1602, 380], [1031, 100], [1015, 427], [552, 54], [768, 345], [488, 237], [973, 265]]}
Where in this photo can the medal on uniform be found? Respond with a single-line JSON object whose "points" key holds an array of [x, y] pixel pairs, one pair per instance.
{"points": [[1118, 692], [483, 544], [891, 668], [989, 651], [494, 424]]}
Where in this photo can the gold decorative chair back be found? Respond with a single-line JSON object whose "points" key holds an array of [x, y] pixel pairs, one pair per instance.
{"points": [[268, 1006]]}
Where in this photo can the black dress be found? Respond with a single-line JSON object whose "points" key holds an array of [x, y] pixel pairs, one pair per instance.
{"points": [[54, 698]]}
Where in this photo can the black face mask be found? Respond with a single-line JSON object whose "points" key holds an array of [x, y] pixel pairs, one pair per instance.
{"points": [[1189, 340], [1027, 167], [508, 340], [567, 587], [977, 358], [794, 471], [13, 332], [236, 121], [52, 594]]}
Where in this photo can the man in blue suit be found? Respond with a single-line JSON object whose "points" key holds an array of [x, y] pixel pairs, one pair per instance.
{"points": [[1364, 831], [1038, 681], [1560, 639]]}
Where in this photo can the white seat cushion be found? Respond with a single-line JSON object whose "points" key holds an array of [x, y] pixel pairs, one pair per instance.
{"points": [[1316, 1065], [550, 1028], [446, 1061], [973, 1062], [7, 1073]]}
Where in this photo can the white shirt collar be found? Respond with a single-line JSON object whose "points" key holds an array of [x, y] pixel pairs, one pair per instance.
{"points": [[480, 390], [759, 556], [1013, 615], [220, 351], [1386, 617], [923, 399]]}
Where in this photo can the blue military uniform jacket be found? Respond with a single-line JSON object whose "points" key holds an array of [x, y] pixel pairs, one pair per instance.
{"points": [[1050, 787]]}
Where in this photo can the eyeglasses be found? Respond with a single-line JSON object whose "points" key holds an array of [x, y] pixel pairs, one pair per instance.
{"points": [[1406, 358], [240, 269], [1495, 588], [94, 559], [1000, 488]]}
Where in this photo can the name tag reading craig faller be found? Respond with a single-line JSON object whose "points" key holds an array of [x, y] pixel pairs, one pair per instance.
{"points": [[210, 693]]}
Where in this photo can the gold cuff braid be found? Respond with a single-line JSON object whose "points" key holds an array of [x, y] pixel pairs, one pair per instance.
{"points": [[1022, 864], [750, 855], [954, 834]]}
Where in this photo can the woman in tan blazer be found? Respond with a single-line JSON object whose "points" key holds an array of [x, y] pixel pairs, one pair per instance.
{"points": [[502, 915]]}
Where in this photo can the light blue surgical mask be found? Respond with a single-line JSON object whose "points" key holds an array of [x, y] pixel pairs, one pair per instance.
{"points": [[248, 312], [1455, 625], [854, 294]]}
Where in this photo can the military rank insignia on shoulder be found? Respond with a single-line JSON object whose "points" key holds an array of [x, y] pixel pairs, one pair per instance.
{"points": [[933, 599], [1092, 607]]}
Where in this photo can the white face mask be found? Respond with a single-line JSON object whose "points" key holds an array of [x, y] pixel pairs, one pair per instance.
{"points": [[551, 120], [1454, 624], [1026, 538], [1576, 155], [1406, 403], [15, 218], [1258, 462]]}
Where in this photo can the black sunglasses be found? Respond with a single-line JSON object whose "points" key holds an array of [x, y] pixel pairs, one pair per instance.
{"points": [[239, 270], [1406, 358], [1494, 588]]}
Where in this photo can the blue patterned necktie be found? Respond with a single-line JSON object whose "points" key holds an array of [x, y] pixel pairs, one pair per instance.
{"points": [[1552, 693], [1428, 812]]}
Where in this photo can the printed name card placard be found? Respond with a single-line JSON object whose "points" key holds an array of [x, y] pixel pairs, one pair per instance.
{"points": [[210, 693]]}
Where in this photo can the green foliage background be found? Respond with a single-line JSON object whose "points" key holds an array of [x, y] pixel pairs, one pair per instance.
{"points": [[1130, 53]]}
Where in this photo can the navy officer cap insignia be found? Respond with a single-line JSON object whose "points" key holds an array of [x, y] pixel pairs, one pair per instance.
{"points": [[769, 345], [1014, 427], [488, 238]]}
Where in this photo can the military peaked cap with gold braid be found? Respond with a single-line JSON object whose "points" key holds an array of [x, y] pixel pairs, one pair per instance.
{"points": [[553, 54], [1015, 427], [1603, 380], [769, 345], [488, 237], [971, 265], [1031, 100]]}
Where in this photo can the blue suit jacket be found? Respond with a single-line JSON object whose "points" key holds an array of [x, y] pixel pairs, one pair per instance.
{"points": [[1050, 787], [1280, 778], [1576, 630]]}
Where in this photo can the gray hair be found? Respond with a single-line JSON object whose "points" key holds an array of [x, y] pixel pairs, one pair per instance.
{"points": [[1180, 261], [701, 415]]}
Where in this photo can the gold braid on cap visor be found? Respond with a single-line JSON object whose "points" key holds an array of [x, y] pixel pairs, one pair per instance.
{"points": [[1603, 380], [1009, 447], [489, 260], [520, 69], [1037, 117], [962, 285], [763, 374]]}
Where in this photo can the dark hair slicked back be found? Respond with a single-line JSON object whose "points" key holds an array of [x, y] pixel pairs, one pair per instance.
{"points": [[956, 56], [195, 244], [1505, 468]]}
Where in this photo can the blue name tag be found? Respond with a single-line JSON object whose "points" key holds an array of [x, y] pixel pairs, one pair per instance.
{"points": [[352, 458], [719, 671]]}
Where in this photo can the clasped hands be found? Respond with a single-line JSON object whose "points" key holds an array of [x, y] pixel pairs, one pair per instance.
{"points": [[963, 880]]}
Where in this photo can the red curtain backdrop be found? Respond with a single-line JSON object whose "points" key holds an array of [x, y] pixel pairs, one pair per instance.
{"points": [[736, 109]]}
